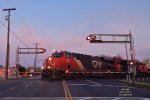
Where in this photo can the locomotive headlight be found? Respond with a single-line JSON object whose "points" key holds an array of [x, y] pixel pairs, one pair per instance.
{"points": [[49, 67], [49, 58], [67, 71], [42, 67], [131, 63]]}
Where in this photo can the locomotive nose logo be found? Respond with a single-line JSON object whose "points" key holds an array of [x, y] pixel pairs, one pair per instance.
{"points": [[96, 64]]}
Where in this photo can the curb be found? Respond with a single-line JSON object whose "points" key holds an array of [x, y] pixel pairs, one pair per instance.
{"points": [[137, 84]]}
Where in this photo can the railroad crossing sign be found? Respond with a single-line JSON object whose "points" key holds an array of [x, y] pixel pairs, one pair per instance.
{"points": [[132, 52]]}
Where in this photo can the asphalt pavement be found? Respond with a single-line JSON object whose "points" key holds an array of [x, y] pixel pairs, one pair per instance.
{"points": [[81, 89]]}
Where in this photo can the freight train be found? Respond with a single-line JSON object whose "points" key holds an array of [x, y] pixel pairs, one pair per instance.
{"points": [[64, 64]]}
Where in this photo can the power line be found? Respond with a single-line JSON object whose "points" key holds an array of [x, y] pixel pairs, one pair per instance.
{"points": [[6, 3], [20, 21], [15, 35]]}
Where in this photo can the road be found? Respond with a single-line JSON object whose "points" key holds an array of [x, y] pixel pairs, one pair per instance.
{"points": [[80, 89]]}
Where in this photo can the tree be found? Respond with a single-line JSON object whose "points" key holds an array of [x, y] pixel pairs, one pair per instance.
{"points": [[146, 61], [22, 69]]}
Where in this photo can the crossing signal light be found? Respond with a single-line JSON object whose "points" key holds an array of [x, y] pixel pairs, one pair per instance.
{"points": [[91, 37], [42, 50], [88, 38], [17, 65], [131, 63]]}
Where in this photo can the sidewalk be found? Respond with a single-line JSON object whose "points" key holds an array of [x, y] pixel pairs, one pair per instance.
{"points": [[137, 84], [10, 79]]}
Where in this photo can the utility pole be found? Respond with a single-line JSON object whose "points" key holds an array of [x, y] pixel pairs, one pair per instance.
{"points": [[132, 57], [36, 44], [8, 45], [128, 76], [17, 61]]}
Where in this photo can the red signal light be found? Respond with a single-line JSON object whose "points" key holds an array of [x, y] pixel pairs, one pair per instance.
{"points": [[67, 71], [88, 38], [42, 50], [17, 65], [91, 37]]}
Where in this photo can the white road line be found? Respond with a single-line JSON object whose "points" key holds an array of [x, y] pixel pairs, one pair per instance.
{"points": [[94, 82], [12, 88], [83, 85], [84, 98], [100, 98], [27, 85], [24, 83], [116, 98], [76, 84], [124, 86], [95, 85], [146, 98]]}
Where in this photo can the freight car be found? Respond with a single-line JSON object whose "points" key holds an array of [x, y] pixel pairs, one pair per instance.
{"points": [[64, 64]]}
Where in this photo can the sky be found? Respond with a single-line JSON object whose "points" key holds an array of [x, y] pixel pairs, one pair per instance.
{"points": [[65, 24]]}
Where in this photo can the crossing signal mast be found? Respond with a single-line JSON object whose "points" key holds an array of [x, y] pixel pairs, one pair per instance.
{"points": [[29, 51], [116, 38]]}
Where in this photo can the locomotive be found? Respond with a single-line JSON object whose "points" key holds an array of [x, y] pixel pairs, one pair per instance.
{"points": [[64, 64]]}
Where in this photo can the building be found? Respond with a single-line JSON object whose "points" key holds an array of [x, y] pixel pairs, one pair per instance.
{"points": [[147, 63], [11, 72]]}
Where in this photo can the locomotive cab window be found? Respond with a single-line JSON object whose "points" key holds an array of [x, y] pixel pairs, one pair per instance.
{"points": [[57, 55], [68, 55]]}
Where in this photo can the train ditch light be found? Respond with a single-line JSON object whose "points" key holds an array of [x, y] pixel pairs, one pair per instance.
{"points": [[67, 71], [49, 67], [49, 58], [42, 67]]}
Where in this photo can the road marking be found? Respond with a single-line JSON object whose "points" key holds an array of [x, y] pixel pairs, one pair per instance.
{"points": [[97, 84], [145, 98], [13, 88], [27, 85], [83, 85], [84, 98], [76, 84], [94, 83], [101, 98], [24, 83], [67, 92], [116, 98]]}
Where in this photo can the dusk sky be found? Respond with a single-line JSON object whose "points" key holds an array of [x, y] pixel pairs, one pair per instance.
{"points": [[65, 24]]}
